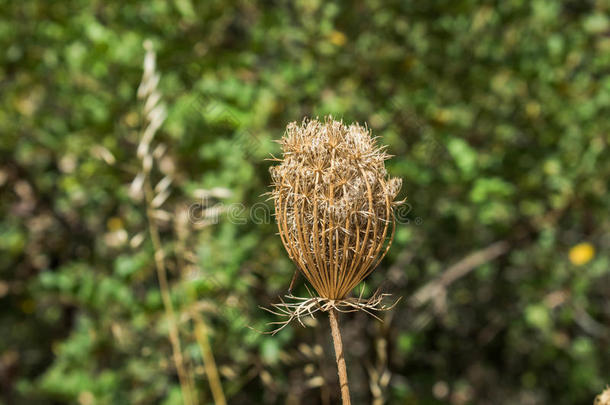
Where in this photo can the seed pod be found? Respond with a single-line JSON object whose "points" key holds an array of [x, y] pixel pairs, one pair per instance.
{"points": [[334, 203]]}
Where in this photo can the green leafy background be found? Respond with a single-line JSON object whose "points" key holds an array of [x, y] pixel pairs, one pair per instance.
{"points": [[498, 114]]}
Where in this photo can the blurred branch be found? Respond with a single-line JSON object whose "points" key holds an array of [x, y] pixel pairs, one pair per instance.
{"points": [[437, 287], [587, 323]]}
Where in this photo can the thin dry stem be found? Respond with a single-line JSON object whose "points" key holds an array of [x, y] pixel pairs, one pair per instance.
{"points": [[209, 363], [201, 328], [341, 368], [174, 337], [154, 115]]}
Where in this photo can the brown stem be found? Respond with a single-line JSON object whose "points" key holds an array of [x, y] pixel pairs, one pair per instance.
{"points": [[334, 327]]}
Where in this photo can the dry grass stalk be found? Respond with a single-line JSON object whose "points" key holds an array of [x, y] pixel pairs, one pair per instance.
{"points": [[209, 362], [154, 115], [154, 198], [184, 255], [334, 206]]}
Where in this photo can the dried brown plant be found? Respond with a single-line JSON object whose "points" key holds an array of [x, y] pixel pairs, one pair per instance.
{"points": [[334, 205]]}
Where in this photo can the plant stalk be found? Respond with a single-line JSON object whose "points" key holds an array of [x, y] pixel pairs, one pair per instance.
{"points": [[341, 368], [208, 362], [174, 336], [201, 329]]}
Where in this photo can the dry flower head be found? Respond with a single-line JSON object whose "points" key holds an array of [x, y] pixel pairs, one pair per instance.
{"points": [[334, 203]]}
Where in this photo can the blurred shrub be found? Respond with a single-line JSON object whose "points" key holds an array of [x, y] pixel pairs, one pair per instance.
{"points": [[497, 112]]}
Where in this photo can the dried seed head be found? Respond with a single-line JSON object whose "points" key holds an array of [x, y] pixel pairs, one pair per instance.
{"points": [[333, 203]]}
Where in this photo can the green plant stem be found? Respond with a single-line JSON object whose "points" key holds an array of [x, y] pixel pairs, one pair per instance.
{"points": [[341, 368]]}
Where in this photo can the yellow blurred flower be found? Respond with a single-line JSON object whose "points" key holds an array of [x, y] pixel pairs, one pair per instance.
{"points": [[338, 38], [532, 109], [582, 253], [114, 224], [443, 115]]}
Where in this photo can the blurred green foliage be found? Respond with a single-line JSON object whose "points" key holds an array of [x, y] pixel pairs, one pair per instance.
{"points": [[498, 113]]}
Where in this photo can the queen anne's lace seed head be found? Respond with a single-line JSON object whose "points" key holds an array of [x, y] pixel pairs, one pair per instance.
{"points": [[333, 203]]}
